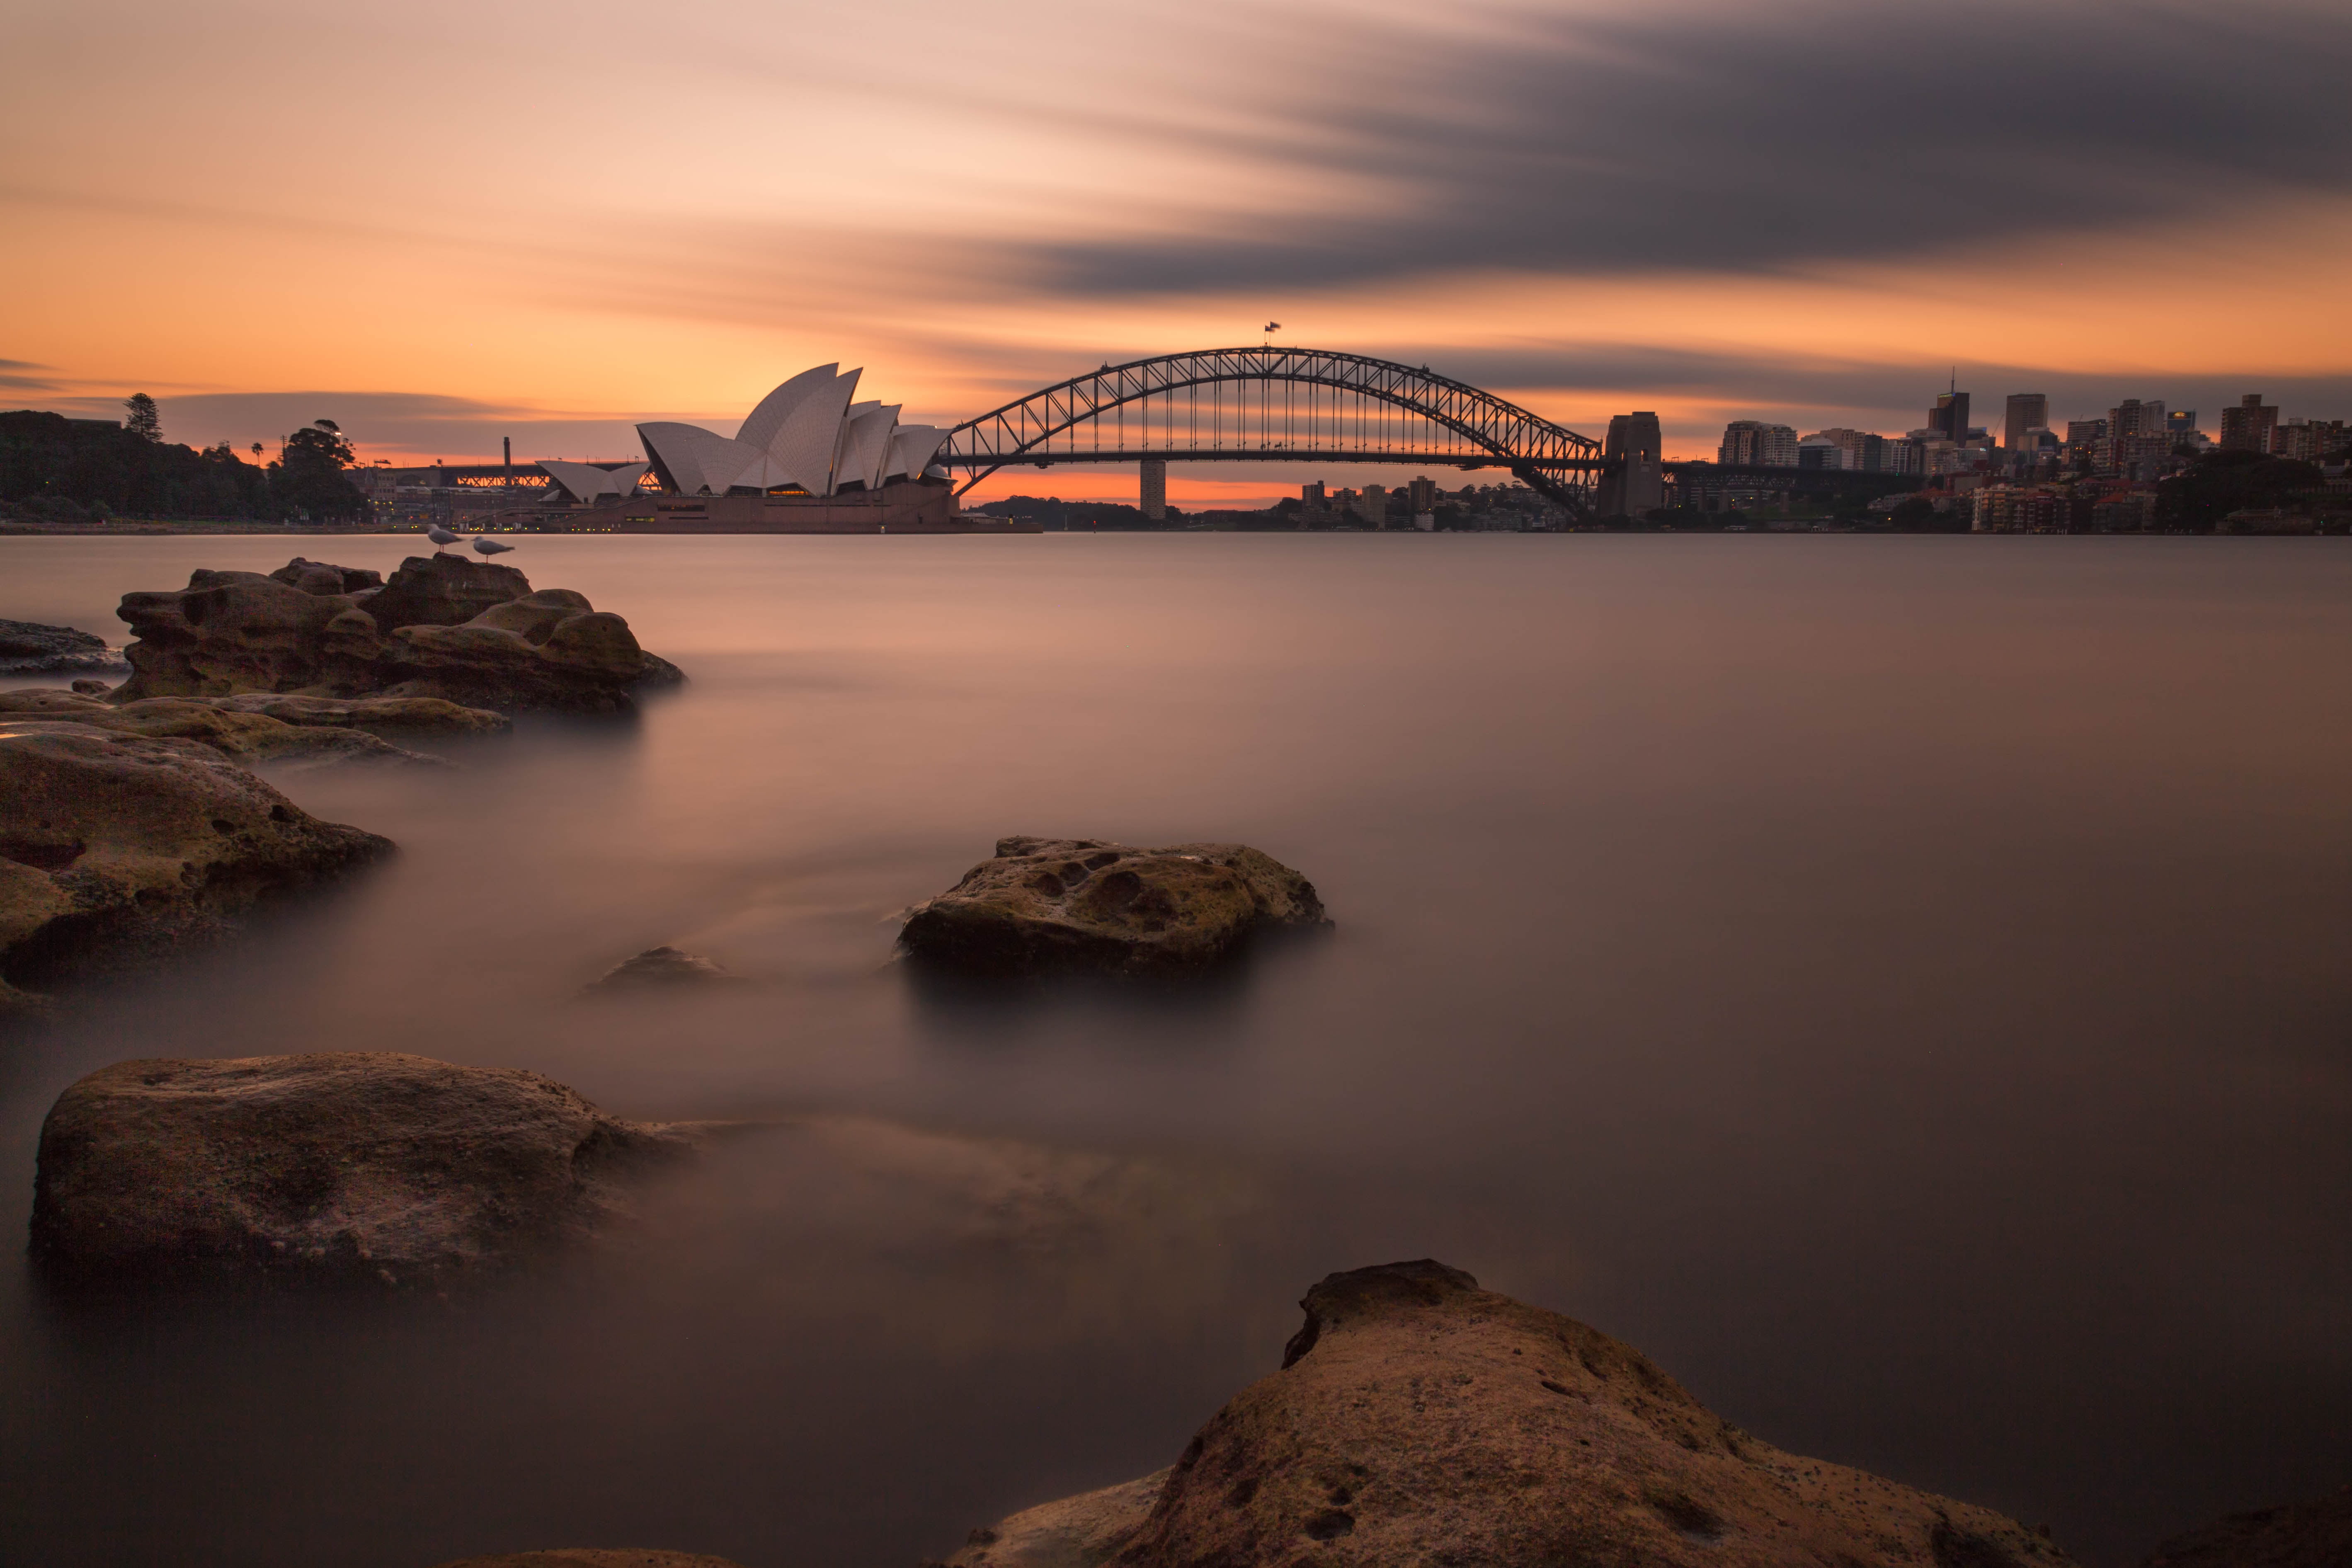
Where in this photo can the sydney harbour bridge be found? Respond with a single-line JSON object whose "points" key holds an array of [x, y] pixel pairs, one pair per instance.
{"points": [[1267, 404]]}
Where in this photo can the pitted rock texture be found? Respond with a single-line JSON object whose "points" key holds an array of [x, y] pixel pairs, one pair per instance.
{"points": [[2315, 1534], [464, 632], [360, 1166], [1418, 1419], [1048, 905], [27, 647], [114, 845]]}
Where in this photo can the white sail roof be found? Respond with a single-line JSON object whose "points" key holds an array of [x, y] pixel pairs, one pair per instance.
{"points": [[807, 432], [865, 446], [765, 423], [586, 481], [912, 448]]}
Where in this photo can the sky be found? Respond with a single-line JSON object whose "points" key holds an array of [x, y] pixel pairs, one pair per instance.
{"points": [[443, 224]]}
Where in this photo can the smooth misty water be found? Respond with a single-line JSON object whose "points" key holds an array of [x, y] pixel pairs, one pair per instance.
{"points": [[1898, 983]]}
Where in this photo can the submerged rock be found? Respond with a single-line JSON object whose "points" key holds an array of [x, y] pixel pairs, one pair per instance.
{"points": [[366, 1166], [2315, 1534], [115, 845], [380, 716], [1419, 1419], [464, 632], [662, 966], [1045, 905], [27, 647]]}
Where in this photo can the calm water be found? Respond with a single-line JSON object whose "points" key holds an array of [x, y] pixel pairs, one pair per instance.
{"points": [[1898, 983]]}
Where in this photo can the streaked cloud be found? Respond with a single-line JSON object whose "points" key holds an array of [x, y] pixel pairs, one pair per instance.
{"points": [[1808, 210]]}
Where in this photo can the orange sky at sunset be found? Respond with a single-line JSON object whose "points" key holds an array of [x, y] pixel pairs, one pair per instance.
{"points": [[447, 224]]}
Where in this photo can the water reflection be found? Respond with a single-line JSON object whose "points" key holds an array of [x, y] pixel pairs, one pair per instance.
{"points": [[1896, 984]]}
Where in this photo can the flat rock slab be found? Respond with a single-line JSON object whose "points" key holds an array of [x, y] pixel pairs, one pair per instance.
{"points": [[248, 736], [113, 846], [29, 648], [381, 716], [359, 1166], [1419, 1419], [1064, 905]]}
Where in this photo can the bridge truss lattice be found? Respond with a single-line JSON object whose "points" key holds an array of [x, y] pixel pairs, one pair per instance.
{"points": [[1268, 404]]}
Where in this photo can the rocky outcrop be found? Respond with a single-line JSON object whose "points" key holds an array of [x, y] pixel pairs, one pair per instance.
{"points": [[2315, 1535], [443, 627], [361, 1166], [27, 647], [1048, 905], [1419, 1419], [595, 1557], [114, 845], [248, 737], [659, 968]]}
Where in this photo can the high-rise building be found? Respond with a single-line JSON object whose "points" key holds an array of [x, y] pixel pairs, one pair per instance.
{"points": [[1750, 443], [2248, 426], [1155, 489], [2181, 424], [1422, 494], [2133, 418], [1950, 417], [1633, 484], [1311, 493], [2027, 411], [1372, 505]]}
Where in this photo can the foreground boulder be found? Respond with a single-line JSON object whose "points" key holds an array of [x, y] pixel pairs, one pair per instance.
{"points": [[464, 632], [1419, 1419], [2315, 1535], [27, 647], [365, 1167], [1045, 905], [113, 846]]}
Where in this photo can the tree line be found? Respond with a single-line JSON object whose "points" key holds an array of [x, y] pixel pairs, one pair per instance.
{"points": [[57, 470]]}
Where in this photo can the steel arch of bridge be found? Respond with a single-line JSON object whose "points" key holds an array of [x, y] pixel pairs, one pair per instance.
{"points": [[1458, 424]]}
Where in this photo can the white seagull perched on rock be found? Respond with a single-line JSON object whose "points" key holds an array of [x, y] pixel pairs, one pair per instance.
{"points": [[486, 548], [441, 537]]}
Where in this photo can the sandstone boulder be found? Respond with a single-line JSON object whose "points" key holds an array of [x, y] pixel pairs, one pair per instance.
{"points": [[443, 591], [659, 968], [114, 844], [2315, 1535], [27, 647], [1419, 1419], [1045, 905], [318, 577], [363, 1166], [464, 632]]}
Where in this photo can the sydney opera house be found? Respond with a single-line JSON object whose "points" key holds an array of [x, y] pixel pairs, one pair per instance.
{"points": [[808, 459]]}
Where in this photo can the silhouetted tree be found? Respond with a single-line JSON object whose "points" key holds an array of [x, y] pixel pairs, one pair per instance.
{"points": [[307, 478], [142, 419], [2219, 483]]}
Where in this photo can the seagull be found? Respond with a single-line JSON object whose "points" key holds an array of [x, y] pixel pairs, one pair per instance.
{"points": [[486, 548], [440, 536]]}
